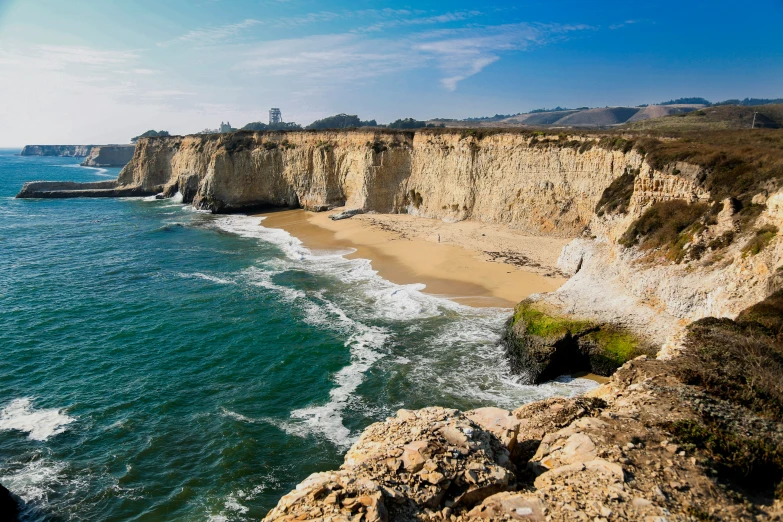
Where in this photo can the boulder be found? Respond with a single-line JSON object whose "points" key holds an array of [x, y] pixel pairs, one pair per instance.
{"points": [[9, 506], [345, 214]]}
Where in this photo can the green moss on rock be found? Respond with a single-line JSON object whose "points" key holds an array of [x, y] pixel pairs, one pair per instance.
{"points": [[540, 323], [541, 344]]}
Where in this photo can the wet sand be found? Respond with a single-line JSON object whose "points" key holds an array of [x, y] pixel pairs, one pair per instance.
{"points": [[405, 250]]}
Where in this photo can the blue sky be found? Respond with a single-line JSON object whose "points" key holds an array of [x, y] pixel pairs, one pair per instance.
{"points": [[97, 71]]}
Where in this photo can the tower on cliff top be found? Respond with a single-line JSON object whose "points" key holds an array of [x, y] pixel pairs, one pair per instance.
{"points": [[275, 116]]}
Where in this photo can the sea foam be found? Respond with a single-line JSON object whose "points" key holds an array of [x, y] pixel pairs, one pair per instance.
{"points": [[464, 360], [38, 424]]}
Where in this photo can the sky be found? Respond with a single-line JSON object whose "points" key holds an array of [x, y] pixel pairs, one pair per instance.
{"points": [[103, 71]]}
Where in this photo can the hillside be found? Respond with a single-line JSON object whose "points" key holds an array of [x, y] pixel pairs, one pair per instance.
{"points": [[715, 117], [597, 118]]}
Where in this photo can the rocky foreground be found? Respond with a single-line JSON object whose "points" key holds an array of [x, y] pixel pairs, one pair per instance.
{"points": [[655, 443]]}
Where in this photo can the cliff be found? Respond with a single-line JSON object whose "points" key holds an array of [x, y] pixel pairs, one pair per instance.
{"points": [[56, 150], [499, 178], [109, 156]]}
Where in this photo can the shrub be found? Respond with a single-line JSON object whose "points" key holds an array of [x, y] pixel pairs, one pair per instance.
{"points": [[617, 195], [378, 146], [665, 225], [414, 198], [746, 462], [760, 240], [722, 241], [738, 361]]}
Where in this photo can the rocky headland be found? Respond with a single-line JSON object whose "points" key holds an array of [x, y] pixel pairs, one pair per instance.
{"points": [[69, 151], [95, 155], [674, 268]]}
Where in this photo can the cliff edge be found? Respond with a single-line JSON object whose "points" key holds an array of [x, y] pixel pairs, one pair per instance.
{"points": [[109, 156]]}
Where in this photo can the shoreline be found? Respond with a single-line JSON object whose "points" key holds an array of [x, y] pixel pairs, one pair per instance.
{"points": [[405, 250]]}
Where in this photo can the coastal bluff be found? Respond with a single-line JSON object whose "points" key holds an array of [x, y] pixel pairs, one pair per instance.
{"points": [[592, 188], [95, 155], [68, 151]]}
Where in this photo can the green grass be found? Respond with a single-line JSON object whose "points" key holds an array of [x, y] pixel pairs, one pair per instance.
{"points": [[545, 325]]}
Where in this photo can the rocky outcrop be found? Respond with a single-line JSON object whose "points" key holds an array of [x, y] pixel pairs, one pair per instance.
{"points": [[9, 505], [609, 456], [109, 156], [542, 345], [69, 189], [430, 461], [75, 151]]}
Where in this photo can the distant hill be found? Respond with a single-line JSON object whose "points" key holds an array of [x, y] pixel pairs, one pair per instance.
{"points": [[598, 118], [716, 117], [610, 117]]}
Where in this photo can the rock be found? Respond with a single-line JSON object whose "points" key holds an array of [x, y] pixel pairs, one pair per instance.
{"points": [[424, 473], [412, 458], [759, 199], [499, 422], [109, 156], [508, 505], [9, 505], [345, 214]]}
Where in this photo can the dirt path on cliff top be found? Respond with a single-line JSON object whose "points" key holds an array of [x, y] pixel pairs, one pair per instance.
{"points": [[472, 263]]}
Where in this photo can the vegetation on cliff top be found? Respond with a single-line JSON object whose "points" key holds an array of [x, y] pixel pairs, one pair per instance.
{"points": [[150, 134], [739, 361]]}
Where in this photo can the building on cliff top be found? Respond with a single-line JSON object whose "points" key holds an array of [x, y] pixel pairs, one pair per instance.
{"points": [[275, 116]]}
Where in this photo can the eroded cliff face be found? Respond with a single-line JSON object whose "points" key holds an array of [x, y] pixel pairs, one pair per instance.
{"points": [[109, 156], [503, 178], [56, 150]]}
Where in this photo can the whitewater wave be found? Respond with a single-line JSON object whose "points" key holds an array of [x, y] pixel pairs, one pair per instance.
{"points": [[99, 171], [236, 416], [39, 478], [462, 359], [19, 415], [206, 277]]}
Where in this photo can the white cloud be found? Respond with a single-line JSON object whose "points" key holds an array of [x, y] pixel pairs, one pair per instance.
{"points": [[458, 53]]}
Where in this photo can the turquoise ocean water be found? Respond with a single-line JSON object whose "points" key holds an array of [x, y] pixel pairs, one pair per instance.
{"points": [[164, 364]]}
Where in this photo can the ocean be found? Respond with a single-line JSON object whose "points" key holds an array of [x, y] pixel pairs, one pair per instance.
{"points": [[160, 363]]}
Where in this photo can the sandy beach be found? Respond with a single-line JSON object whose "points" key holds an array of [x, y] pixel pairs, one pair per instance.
{"points": [[471, 263]]}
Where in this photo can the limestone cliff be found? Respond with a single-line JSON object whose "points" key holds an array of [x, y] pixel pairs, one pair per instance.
{"points": [[109, 156], [75, 151], [500, 178]]}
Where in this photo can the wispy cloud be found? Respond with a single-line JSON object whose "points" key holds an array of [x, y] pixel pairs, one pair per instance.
{"points": [[59, 56], [212, 35], [457, 16], [462, 53], [623, 24], [458, 53]]}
